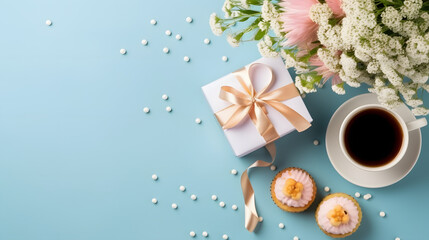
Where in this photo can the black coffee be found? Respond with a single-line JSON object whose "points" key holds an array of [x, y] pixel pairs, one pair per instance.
{"points": [[373, 137]]}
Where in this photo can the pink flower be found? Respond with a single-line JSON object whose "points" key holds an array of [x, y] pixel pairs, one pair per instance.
{"points": [[299, 28], [335, 6], [324, 71]]}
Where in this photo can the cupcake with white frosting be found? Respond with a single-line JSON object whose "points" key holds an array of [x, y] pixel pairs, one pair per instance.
{"points": [[293, 190], [338, 215]]}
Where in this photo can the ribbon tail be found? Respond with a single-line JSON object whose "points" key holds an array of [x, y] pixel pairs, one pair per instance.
{"points": [[298, 121], [250, 214]]}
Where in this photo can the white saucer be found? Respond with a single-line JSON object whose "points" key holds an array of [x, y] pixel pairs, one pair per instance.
{"points": [[359, 176]]}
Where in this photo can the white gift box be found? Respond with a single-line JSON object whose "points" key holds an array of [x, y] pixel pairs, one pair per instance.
{"points": [[245, 138]]}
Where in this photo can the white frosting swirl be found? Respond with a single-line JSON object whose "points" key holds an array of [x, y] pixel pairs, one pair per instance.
{"points": [[299, 176]]}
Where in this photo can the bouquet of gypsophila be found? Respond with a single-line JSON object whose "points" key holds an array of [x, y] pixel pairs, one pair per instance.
{"points": [[381, 43]]}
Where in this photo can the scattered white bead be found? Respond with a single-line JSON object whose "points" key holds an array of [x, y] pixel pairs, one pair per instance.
{"points": [[225, 58], [367, 196], [222, 204], [197, 120], [205, 234], [168, 32], [174, 206], [327, 189], [303, 95], [123, 51], [192, 234], [281, 225], [186, 59], [234, 172], [207, 41], [316, 142], [296, 238], [273, 167], [189, 19], [357, 194], [48, 22], [164, 96], [146, 110], [260, 219], [166, 50], [154, 201], [382, 214], [194, 197], [225, 237], [179, 37], [168, 109], [153, 22], [397, 238], [154, 177], [214, 197], [234, 207], [144, 42], [182, 188]]}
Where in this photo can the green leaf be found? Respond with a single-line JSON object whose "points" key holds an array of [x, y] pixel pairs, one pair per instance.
{"points": [[259, 35], [243, 19], [246, 11]]}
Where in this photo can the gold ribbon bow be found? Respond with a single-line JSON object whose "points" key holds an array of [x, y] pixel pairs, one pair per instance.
{"points": [[254, 103]]}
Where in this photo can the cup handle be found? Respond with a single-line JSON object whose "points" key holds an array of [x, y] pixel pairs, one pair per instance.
{"points": [[416, 124]]}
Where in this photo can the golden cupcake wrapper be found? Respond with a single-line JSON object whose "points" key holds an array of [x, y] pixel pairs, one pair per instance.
{"points": [[348, 197], [284, 206]]}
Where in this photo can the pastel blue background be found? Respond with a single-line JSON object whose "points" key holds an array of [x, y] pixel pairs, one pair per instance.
{"points": [[77, 152]]}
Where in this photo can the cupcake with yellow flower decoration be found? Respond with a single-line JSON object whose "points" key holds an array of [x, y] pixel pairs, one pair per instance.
{"points": [[293, 190], [338, 215]]}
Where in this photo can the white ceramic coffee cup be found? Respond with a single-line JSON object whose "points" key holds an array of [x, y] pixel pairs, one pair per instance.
{"points": [[405, 127]]}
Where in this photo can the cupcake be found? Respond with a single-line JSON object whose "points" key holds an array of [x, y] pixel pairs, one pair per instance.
{"points": [[338, 215], [293, 190]]}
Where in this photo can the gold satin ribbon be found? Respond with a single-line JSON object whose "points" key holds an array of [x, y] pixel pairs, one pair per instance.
{"points": [[253, 103]]}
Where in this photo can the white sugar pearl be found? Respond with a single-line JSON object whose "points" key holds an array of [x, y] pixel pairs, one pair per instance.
{"points": [[214, 197], [186, 59], [224, 58], [397, 238], [316, 142], [168, 32], [153, 22], [382, 214], [296, 238], [123, 51], [166, 50], [260, 219], [154, 201], [234, 207], [174, 206], [225, 237], [189, 19], [48, 22], [164, 96], [281, 225], [234, 172], [207, 41], [194, 197], [273, 167], [168, 109], [146, 110], [367, 196], [222, 204], [178, 37], [197, 120], [303, 95], [327, 189], [182, 188], [154, 177], [357, 194], [192, 234], [144, 42], [205, 234]]}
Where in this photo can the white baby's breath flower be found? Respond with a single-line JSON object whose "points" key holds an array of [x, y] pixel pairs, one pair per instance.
{"points": [[373, 67], [424, 26], [226, 8], [411, 8], [245, 4], [265, 47], [414, 102], [263, 25], [420, 111], [277, 28], [232, 40], [392, 19], [268, 11], [320, 13], [215, 25], [338, 89]]}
